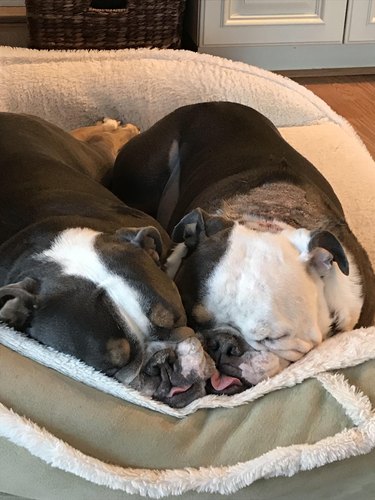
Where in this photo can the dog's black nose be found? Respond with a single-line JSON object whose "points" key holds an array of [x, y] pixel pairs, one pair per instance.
{"points": [[224, 344]]}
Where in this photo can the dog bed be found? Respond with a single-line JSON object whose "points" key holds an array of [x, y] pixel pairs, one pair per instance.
{"points": [[67, 431]]}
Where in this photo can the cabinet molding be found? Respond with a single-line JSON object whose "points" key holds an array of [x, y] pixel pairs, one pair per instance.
{"points": [[255, 13]]}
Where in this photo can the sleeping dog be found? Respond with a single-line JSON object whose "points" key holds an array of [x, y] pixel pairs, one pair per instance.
{"points": [[266, 264], [80, 271]]}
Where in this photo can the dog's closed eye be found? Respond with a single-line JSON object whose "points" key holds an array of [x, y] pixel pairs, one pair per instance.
{"points": [[271, 340]]}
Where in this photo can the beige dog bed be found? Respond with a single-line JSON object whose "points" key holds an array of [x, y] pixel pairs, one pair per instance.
{"points": [[67, 431]]}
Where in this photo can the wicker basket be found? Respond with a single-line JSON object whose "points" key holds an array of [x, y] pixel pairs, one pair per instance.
{"points": [[77, 24]]}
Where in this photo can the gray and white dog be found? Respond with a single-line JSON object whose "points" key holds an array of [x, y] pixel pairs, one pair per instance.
{"points": [[266, 264], [80, 271]]}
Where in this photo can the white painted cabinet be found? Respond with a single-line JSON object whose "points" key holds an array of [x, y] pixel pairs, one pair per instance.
{"points": [[361, 21], [256, 22], [282, 34]]}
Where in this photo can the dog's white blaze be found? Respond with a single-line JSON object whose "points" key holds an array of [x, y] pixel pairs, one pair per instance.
{"points": [[192, 358], [73, 250], [261, 287]]}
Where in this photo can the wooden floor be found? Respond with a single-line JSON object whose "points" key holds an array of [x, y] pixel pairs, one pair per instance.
{"points": [[352, 97]]}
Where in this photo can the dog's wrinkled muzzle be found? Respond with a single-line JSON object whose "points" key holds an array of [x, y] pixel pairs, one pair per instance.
{"points": [[238, 365], [176, 371]]}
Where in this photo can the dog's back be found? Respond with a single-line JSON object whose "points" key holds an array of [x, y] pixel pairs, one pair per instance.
{"points": [[203, 154], [40, 163], [206, 148]]}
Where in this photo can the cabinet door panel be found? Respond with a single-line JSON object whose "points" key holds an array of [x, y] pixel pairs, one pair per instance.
{"points": [[361, 22], [250, 22], [273, 9]]}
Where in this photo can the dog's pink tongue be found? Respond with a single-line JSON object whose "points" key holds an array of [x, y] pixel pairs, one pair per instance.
{"points": [[220, 381], [178, 390]]}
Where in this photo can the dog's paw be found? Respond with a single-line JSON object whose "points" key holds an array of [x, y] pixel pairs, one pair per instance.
{"points": [[109, 124], [131, 129]]}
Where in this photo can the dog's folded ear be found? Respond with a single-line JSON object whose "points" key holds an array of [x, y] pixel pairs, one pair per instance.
{"points": [[324, 248], [196, 224], [147, 238], [17, 301]]}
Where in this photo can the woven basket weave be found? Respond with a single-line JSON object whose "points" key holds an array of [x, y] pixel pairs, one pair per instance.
{"points": [[76, 24]]}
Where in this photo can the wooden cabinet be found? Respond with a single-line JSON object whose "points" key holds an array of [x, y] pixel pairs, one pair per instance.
{"points": [[284, 34]]}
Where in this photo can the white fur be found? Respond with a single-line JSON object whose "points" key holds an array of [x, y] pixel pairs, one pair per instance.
{"points": [[174, 156], [73, 250], [344, 294], [258, 366], [337, 292], [261, 286], [192, 357], [174, 260], [171, 190], [110, 124]]}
